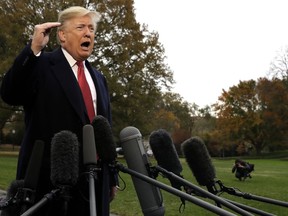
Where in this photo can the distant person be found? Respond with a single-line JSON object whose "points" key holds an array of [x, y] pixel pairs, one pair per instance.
{"points": [[48, 86], [242, 169]]}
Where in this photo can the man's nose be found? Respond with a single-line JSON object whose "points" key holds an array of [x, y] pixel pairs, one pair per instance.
{"points": [[88, 32]]}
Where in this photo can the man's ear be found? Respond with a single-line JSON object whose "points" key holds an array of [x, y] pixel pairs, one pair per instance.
{"points": [[61, 36]]}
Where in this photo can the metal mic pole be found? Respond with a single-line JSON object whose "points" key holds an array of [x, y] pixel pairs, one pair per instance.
{"points": [[176, 192], [203, 192], [92, 197], [233, 191], [89, 159], [48, 197]]}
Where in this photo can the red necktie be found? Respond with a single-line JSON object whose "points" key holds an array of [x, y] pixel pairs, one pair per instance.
{"points": [[85, 91]]}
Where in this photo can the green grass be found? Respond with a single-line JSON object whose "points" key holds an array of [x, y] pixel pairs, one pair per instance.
{"points": [[8, 166], [268, 180]]}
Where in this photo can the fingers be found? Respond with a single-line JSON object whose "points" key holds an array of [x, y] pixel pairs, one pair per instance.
{"points": [[45, 28], [41, 35], [51, 24]]}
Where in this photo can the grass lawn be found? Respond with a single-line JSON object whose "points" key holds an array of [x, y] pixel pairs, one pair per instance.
{"points": [[268, 180], [8, 166]]}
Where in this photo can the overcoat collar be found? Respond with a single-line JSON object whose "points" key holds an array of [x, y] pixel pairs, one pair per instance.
{"points": [[63, 72]]}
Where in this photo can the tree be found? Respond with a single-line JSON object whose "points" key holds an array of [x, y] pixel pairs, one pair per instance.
{"points": [[274, 100], [204, 122], [131, 57], [182, 110], [279, 66], [19, 18], [176, 117], [245, 114]]}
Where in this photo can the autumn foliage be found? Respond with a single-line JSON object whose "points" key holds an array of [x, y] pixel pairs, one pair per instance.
{"points": [[253, 115]]}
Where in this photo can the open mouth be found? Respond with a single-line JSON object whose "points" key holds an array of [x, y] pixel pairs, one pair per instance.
{"points": [[85, 44]]}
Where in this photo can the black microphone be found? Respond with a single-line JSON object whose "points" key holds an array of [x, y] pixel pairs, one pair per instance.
{"points": [[64, 164], [165, 154], [25, 195], [106, 149], [11, 205], [164, 151], [89, 147], [199, 161], [90, 161], [167, 157], [105, 145], [149, 196], [14, 187], [64, 159], [64, 171]]}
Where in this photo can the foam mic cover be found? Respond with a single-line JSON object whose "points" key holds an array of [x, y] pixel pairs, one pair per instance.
{"points": [[199, 161], [164, 151], [14, 187], [64, 159], [105, 144], [12, 205], [149, 196]]}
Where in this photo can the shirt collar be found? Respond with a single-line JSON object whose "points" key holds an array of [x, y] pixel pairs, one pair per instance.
{"points": [[69, 58]]}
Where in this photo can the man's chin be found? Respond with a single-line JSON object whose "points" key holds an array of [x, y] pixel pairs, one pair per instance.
{"points": [[85, 54]]}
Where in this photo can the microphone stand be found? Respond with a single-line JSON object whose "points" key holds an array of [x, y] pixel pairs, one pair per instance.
{"points": [[48, 197], [233, 191], [202, 192], [92, 196], [24, 196], [176, 192], [27, 196], [249, 208], [7, 203], [62, 191], [22, 199]]}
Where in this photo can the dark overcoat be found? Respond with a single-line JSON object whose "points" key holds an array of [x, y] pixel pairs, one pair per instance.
{"points": [[48, 90]]}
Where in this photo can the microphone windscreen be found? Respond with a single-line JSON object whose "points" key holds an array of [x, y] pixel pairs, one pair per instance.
{"points": [[34, 166], [199, 160], [105, 145], [89, 147], [14, 187], [164, 151], [149, 196], [64, 158]]}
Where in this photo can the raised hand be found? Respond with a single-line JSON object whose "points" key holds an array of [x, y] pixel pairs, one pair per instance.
{"points": [[41, 35]]}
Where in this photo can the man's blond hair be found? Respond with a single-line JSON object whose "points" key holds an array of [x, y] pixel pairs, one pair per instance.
{"points": [[77, 11]]}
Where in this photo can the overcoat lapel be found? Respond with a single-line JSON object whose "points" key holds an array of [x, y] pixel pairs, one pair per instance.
{"points": [[63, 72]]}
